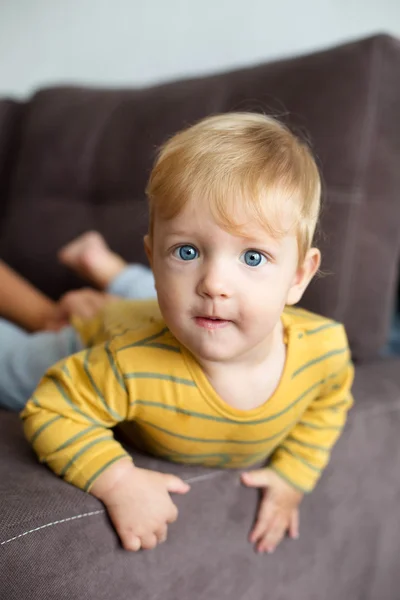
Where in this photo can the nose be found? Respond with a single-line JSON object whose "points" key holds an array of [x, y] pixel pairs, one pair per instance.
{"points": [[214, 280]]}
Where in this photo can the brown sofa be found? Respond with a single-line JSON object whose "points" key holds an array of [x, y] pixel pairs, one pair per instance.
{"points": [[73, 159]]}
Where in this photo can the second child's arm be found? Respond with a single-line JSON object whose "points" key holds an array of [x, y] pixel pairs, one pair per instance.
{"points": [[22, 303], [68, 421]]}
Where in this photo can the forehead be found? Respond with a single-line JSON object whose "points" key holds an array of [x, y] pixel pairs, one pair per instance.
{"points": [[196, 223], [239, 218]]}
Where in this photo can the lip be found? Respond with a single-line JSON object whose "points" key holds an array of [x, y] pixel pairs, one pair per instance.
{"points": [[211, 323]]}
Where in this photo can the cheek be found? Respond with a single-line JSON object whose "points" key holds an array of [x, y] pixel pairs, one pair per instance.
{"points": [[172, 276], [265, 295], [169, 294]]}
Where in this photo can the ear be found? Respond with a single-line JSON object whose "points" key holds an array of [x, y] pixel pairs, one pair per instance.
{"points": [[148, 249], [303, 276]]}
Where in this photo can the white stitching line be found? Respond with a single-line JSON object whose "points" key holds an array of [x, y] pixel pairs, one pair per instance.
{"points": [[98, 512], [202, 477], [89, 514]]}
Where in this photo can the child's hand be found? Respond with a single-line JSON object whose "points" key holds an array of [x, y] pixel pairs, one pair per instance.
{"points": [[84, 303], [278, 512], [138, 503]]}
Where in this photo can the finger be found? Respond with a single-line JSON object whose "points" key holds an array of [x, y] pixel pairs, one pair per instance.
{"points": [[99, 302], [84, 311], [77, 296], [274, 536], [94, 305], [175, 484], [161, 534], [60, 312], [294, 525], [74, 303], [89, 297], [131, 542], [55, 325], [256, 478], [173, 513], [149, 541], [265, 518], [86, 305], [95, 296]]}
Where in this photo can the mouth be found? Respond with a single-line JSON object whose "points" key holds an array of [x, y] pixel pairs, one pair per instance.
{"points": [[211, 322]]}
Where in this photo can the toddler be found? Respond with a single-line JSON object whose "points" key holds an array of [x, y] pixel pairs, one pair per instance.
{"points": [[222, 370]]}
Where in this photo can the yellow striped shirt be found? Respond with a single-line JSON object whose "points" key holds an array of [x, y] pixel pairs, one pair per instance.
{"points": [[138, 376]]}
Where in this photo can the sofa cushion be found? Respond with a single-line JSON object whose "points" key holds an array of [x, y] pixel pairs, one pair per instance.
{"points": [[85, 155], [56, 541]]}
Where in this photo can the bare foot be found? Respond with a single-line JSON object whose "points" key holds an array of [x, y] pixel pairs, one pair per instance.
{"points": [[90, 256]]}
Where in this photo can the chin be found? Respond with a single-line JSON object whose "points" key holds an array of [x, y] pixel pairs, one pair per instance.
{"points": [[210, 353]]}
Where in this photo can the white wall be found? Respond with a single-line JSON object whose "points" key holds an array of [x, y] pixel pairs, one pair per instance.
{"points": [[134, 42]]}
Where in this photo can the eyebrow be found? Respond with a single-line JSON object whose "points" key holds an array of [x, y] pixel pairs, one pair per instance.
{"points": [[178, 233], [269, 242]]}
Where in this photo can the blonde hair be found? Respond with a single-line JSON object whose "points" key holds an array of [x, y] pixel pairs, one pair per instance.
{"points": [[241, 164]]}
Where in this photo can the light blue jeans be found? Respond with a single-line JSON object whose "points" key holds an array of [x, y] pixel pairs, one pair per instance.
{"points": [[25, 357]]}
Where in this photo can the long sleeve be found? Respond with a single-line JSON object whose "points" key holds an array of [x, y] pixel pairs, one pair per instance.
{"points": [[305, 452], [69, 419]]}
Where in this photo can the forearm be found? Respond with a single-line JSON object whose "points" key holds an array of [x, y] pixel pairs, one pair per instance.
{"points": [[21, 302], [69, 422], [303, 455], [72, 445]]}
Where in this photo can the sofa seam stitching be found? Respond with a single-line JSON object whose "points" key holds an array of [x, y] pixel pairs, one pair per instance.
{"points": [[97, 512], [58, 522]]}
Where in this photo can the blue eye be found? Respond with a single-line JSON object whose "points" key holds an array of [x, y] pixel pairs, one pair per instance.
{"points": [[252, 258], [186, 252]]}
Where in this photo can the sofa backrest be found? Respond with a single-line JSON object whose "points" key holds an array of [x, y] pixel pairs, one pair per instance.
{"points": [[83, 157], [10, 121]]}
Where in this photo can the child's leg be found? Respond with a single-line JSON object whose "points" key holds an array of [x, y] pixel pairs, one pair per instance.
{"points": [[21, 302], [90, 256], [25, 357], [133, 282]]}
